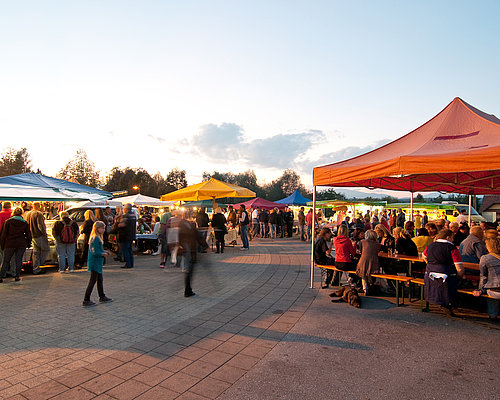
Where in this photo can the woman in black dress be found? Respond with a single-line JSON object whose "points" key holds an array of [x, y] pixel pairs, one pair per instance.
{"points": [[444, 267]]}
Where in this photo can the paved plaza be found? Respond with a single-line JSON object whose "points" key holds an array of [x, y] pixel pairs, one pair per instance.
{"points": [[254, 330]]}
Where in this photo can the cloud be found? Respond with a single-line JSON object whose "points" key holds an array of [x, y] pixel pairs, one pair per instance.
{"points": [[219, 142], [281, 151], [342, 154], [158, 139], [226, 142]]}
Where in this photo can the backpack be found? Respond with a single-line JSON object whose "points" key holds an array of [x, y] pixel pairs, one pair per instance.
{"points": [[67, 234]]}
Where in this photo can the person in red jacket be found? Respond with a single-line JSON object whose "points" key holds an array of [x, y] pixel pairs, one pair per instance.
{"points": [[344, 251]]}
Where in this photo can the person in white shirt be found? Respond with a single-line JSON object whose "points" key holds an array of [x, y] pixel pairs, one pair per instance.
{"points": [[463, 218]]}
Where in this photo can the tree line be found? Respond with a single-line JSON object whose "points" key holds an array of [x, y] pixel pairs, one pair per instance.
{"points": [[81, 170]]}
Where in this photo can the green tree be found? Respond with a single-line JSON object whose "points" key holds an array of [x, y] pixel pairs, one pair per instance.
{"points": [[419, 198], [329, 194], [14, 162], [176, 179], [80, 169]]}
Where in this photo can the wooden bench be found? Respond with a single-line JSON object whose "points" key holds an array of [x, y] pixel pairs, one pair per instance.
{"points": [[400, 281], [333, 268]]}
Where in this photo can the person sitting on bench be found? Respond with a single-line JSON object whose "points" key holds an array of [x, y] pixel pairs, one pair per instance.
{"points": [[322, 253]]}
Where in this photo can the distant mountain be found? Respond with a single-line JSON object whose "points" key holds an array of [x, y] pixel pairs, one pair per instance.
{"points": [[379, 194]]}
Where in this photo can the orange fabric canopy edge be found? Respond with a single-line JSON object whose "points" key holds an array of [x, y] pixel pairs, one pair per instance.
{"points": [[457, 151]]}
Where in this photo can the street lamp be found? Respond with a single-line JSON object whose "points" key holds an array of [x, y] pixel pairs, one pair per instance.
{"points": [[136, 188]]}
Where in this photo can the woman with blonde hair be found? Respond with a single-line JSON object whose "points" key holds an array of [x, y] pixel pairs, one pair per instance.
{"points": [[489, 281], [95, 262]]}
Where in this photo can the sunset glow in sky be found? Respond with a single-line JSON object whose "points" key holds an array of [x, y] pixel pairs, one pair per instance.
{"points": [[235, 85]]}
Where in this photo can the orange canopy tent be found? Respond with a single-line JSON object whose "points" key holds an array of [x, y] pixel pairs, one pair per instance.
{"points": [[457, 151]]}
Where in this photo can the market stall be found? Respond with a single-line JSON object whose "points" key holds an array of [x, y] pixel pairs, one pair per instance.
{"points": [[457, 151]]}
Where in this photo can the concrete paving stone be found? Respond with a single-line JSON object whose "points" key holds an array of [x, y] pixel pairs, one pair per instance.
{"points": [[153, 376], [192, 353], [76, 378], [147, 345], [231, 327], [201, 332], [179, 382], [191, 396], [169, 349], [200, 369], [102, 383], [210, 387], [12, 391], [128, 370], [185, 340], [254, 350], [228, 374], [207, 343], [216, 357], [45, 390], [104, 365], [158, 393], [243, 361], [128, 390], [76, 393], [231, 347], [174, 363], [150, 359]]}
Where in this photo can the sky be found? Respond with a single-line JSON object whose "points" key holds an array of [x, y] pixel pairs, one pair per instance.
{"points": [[235, 85]]}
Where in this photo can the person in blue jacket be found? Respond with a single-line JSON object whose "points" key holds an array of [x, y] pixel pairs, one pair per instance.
{"points": [[95, 262]]}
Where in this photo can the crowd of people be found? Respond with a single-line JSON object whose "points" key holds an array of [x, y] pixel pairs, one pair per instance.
{"points": [[354, 245]]}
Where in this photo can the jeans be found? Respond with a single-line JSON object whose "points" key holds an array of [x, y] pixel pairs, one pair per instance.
{"points": [[65, 251], [244, 237], [128, 254], [7, 255], [255, 229], [94, 277], [263, 230], [40, 252], [302, 232], [12, 269], [273, 231], [493, 304], [309, 232]]}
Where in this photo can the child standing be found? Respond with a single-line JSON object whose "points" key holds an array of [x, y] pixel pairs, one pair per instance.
{"points": [[95, 262]]}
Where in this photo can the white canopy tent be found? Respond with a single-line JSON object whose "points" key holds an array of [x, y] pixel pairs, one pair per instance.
{"points": [[141, 200], [34, 193]]}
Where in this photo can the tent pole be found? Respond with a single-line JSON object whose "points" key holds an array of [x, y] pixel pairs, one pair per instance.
{"points": [[411, 206], [312, 237], [470, 205]]}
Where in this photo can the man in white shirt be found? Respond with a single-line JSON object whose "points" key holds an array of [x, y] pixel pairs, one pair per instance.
{"points": [[463, 217]]}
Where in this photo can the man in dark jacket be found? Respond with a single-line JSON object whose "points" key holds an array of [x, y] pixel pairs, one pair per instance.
{"points": [[127, 227], [189, 240], [41, 249], [202, 222], [288, 217], [401, 218], [15, 237]]}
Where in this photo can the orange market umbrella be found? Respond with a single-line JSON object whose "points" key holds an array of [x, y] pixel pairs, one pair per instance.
{"points": [[211, 189]]}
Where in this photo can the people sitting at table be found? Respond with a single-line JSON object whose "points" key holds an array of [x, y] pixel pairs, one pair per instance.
{"points": [[385, 239], [404, 244], [344, 251], [369, 261], [432, 229], [489, 281], [143, 245], [409, 228], [357, 236], [473, 247], [444, 266], [322, 253], [422, 240]]}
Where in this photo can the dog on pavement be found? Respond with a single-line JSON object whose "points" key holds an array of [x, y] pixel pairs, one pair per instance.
{"points": [[348, 294]]}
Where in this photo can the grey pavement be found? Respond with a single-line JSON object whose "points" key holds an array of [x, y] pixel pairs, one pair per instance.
{"points": [[254, 330]]}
